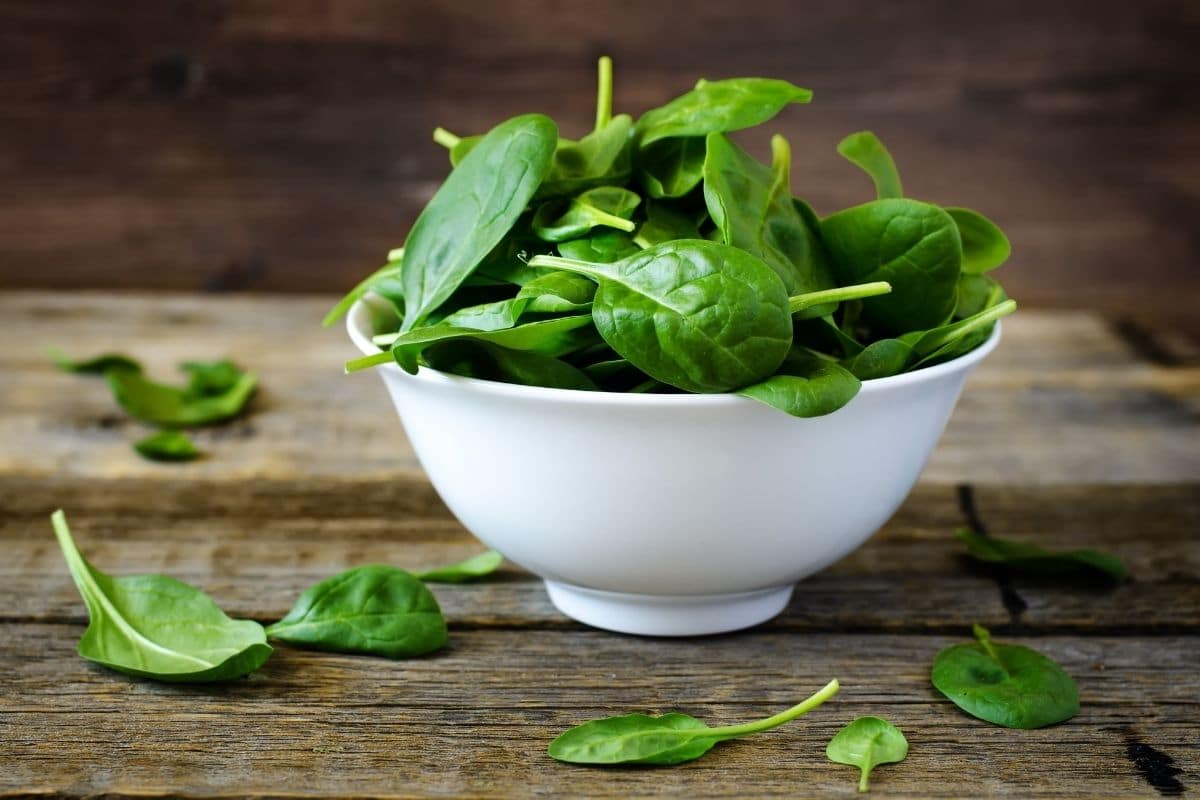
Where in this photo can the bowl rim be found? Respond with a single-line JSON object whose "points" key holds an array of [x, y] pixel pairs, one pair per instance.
{"points": [[357, 318]]}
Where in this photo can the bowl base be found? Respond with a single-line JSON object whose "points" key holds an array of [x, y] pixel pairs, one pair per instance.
{"points": [[668, 615]]}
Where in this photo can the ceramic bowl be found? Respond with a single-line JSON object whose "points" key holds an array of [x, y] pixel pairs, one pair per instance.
{"points": [[668, 514]]}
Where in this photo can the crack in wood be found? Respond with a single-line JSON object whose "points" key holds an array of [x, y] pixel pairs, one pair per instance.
{"points": [[1009, 596]]}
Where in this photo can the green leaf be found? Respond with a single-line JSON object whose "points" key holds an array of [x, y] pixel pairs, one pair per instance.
{"points": [[97, 365], [168, 446], [157, 627], [718, 106], [377, 610], [663, 740], [606, 206], [697, 315], [475, 207], [672, 167], [602, 157], [751, 205], [664, 224], [1005, 684], [866, 743], [465, 570], [603, 246], [390, 271], [864, 150], [172, 407], [913, 246], [806, 386], [210, 378], [976, 293], [475, 359], [984, 245], [1032, 559]]}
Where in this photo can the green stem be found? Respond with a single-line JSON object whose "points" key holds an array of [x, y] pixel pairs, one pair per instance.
{"points": [[569, 264], [395, 254], [445, 138], [612, 220], [961, 329], [838, 295], [730, 731], [862, 781], [388, 270], [985, 639], [603, 92], [367, 362]]}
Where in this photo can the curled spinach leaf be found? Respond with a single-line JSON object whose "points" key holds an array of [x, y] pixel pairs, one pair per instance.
{"points": [[171, 407], [376, 609], [715, 106], [866, 743], [1030, 558], [672, 167], [864, 150], [168, 446], [466, 570], [984, 245], [806, 386], [157, 627], [606, 206], [603, 246]]}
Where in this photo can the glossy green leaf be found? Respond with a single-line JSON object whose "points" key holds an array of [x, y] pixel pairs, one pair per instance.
{"points": [[466, 570], [1005, 684], [602, 246], [477, 359], [1035, 560], [697, 315], [806, 386], [663, 740], [171, 407], [168, 446], [984, 245], [864, 150], [390, 271], [157, 627], [376, 609], [600, 158], [976, 293], [913, 246], [866, 743], [606, 206], [210, 378], [475, 207], [664, 224], [719, 106], [672, 167], [97, 365]]}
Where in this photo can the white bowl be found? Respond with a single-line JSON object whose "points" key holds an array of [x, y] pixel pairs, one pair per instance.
{"points": [[668, 514]]}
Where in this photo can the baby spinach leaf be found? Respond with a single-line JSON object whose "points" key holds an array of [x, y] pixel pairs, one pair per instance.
{"points": [[668, 739], [697, 315], [168, 446], [600, 158], [466, 570], [1005, 684], [477, 205], [806, 386], [1030, 558], [210, 378], [864, 150], [157, 627], [913, 246], [609, 206], [716, 106], [976, 293], [172, 407], [984, 245], [751, 205], [390, 271], [376, 609], [866, 743], [486, 361], [97, 365], [672, 167], [663, 224], [602, 246]]}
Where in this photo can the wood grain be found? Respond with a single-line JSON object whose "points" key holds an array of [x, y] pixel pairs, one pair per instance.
{"points": [[281, 145]]}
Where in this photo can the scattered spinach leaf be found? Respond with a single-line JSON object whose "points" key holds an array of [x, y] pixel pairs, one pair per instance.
{"points": [[172, 407], [466, 570], [866, 743], [168, 445], [806, 386], [1030, 558], [97, 365]]}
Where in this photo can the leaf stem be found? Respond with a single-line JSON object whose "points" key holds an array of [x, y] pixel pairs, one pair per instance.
{"points": [[985, 640], [445, 138], [862, 780], [388, 270], [603, 92], [961, 329], [368, 361], [730, 731], [841, 294]]}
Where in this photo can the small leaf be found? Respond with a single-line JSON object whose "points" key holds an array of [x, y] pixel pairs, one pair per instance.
{"points": [[806, 386], [97, 365], [1030, 558], [466, 570], [210, 378], [866, 743], [865, 151], [984, 245], [171, 407], [377, 609], [168, 446]]}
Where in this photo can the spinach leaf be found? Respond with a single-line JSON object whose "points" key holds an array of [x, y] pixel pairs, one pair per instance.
{"points": [[806, 386], [210, 378], [697, 315], [984, 245], [751, 205], [976, 293], [716, 106], [168, 446], [668, 739], [390, 271], [609, 206], [600, 158], [864, 150], [913, 246], [1005, 684], [376, 609], [603, 246], [486, 361], [465, 570], [663, 224], [172, 407], [157, 627], [97, 365], [1031, 558], [672, 167], [866, 743], [477, 205], [458, 146]]}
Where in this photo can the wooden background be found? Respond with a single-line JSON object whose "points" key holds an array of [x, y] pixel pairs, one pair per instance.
{"points": [[283, 145]]}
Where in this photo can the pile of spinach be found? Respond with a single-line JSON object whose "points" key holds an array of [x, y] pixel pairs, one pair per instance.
{"points": [[657, 255]]}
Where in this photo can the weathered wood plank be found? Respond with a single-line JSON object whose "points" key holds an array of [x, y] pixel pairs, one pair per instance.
{"points": [[475, 719], [257, 546], [1063, 400]]}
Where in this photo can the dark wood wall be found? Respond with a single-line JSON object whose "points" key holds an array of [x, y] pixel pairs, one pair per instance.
{"points": [[284, 144]]}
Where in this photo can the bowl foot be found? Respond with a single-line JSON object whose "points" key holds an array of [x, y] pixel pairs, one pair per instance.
{"points": [[668, 615]]}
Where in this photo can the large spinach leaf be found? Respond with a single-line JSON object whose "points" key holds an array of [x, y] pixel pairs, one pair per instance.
{"points": [[713, 106]]}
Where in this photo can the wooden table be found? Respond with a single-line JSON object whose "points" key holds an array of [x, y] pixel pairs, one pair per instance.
{"points": [[1076, 432]]}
